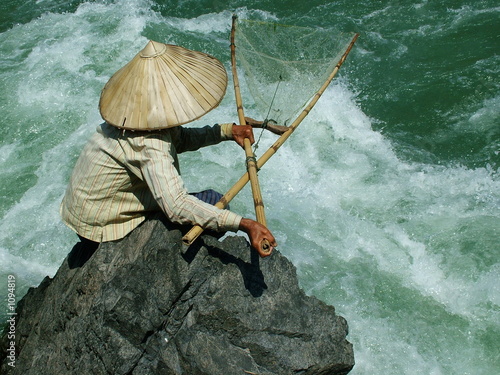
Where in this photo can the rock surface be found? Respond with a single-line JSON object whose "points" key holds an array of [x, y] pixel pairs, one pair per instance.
{"points": [[142, 305]]}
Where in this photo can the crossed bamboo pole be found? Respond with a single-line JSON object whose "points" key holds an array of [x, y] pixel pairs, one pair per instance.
{"points": [[197, 230], [250, 157]]}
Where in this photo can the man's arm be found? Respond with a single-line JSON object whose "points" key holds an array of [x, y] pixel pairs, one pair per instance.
{"points": [[192, 139], [255, 231], [157, 167]]}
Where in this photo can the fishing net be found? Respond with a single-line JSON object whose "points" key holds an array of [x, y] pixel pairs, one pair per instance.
{"points": [[284, 66]]}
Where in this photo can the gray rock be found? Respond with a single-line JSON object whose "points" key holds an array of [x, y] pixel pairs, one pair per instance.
{"points": [[142, 305]]}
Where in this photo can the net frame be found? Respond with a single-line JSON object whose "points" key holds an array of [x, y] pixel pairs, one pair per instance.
{"points": [[284, 65]]}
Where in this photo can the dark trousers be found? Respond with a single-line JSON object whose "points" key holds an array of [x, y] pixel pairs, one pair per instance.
{"points": [[81, 252]]}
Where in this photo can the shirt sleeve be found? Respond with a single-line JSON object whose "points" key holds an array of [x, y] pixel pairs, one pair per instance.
{"points": [[226, 131], [159, 172], [192, 139]]}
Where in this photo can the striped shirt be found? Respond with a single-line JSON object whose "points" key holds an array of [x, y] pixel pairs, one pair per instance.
{"points": [[121, 176]]}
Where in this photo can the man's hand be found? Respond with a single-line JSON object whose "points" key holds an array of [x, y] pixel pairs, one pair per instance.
{"points": [[258, 233], [240, 132]]}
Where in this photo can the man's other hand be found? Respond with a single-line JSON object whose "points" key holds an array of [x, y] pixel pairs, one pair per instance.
{"points": [[258, 233]]}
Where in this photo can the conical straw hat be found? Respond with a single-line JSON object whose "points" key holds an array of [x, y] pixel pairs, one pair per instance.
{"points": [[161, 87]]}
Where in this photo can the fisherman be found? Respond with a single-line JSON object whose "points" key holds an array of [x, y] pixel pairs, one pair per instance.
{"points": [[129, 168]]}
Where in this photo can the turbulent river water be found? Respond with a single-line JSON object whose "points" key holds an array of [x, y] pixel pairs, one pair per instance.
{"points": [[386, 199]]}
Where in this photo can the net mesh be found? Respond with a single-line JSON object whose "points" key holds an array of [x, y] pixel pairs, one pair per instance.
{"points": [[284, 66]]}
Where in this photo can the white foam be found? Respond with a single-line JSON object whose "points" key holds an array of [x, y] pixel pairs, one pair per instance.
{"points": [[375, 355], [31, 229], [6, 151]]}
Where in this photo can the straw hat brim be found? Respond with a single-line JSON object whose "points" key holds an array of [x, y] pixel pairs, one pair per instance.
{"points": [[161, 87]]}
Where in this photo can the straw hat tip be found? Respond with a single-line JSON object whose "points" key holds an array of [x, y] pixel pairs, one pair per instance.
{"points": [[153, 49]]}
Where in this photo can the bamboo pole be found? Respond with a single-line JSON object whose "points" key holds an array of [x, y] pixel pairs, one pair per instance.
{"points": [[272, 127], [251, 161], [197, 230]]}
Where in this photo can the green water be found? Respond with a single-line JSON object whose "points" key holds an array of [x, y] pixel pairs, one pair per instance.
{"points": [[387, 198]]}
